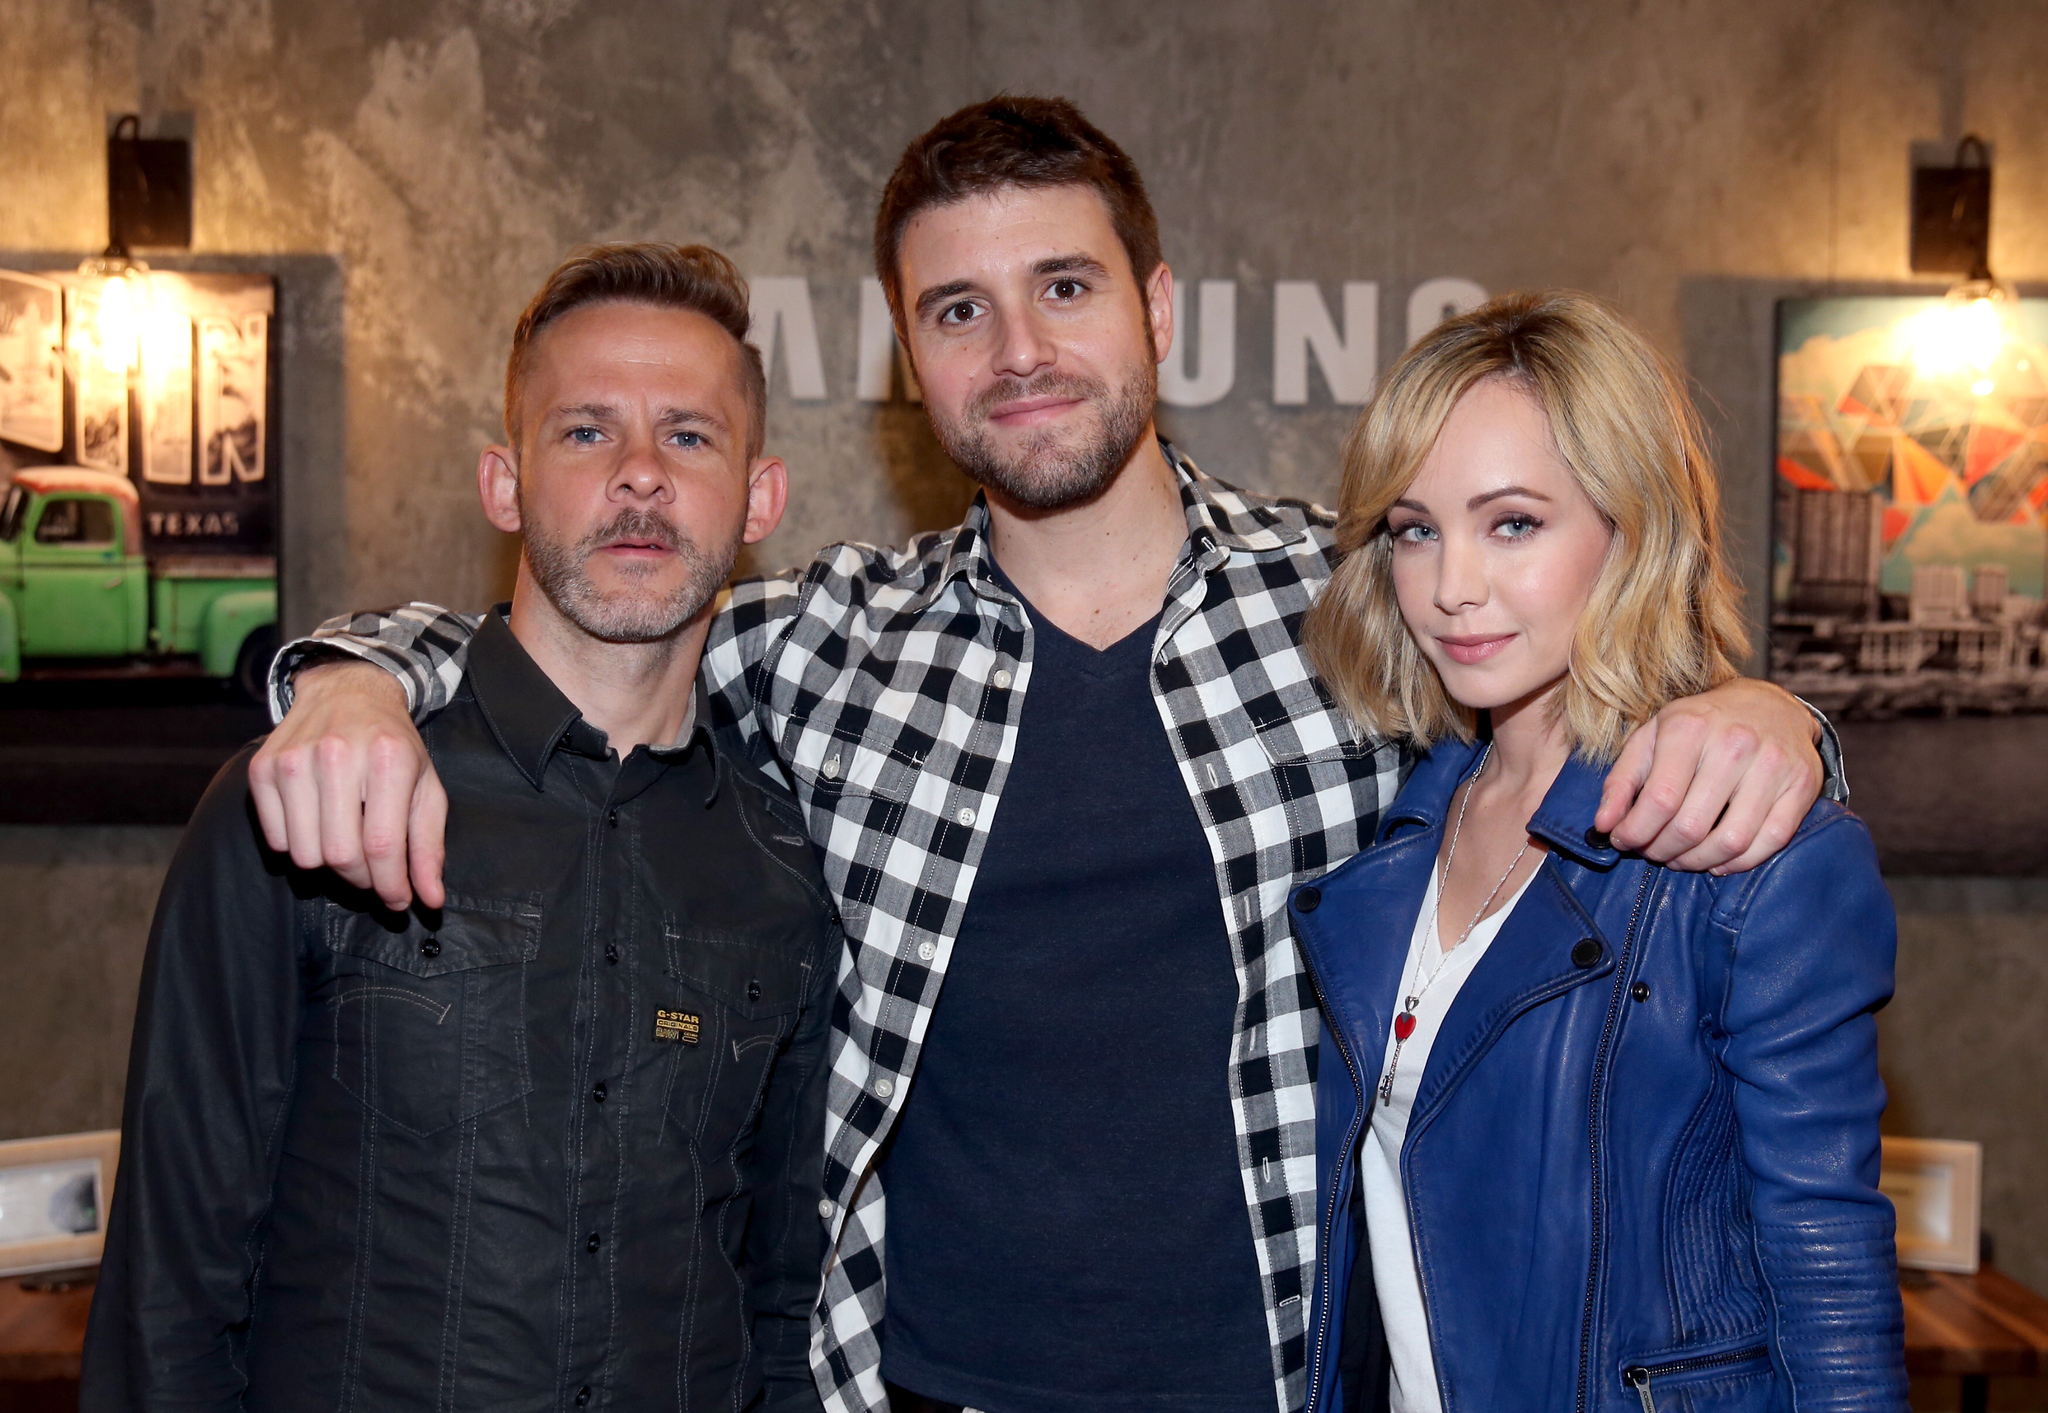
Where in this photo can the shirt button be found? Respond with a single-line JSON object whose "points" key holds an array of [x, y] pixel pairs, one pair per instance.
{"points": [[830, 770], [966, 817], [596, 1240], [885, 1086], [583, 1396], [431, 947], [598, 1094], [1585, 953], [753, 991], [1003, 679], [927, 950], [611, 953], [612, 818], [825, 1208]]}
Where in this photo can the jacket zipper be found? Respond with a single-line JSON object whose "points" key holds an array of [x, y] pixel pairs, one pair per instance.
{"points": [[1594, 1107], [1639, 1376], [1330, 1216]]}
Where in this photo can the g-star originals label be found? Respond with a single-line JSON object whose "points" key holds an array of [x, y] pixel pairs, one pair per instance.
{"points": [[678, 1025]]}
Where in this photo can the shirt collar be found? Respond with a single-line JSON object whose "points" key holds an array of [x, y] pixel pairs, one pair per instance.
{"points": [[1221, 521], [528, 713]]}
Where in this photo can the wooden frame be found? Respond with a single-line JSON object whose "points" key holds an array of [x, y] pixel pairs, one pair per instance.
{"points": [[1936, 1187], [63, 1158]]}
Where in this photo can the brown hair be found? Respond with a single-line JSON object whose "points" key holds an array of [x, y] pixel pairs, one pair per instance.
{"points": [[693, 277], [1013, 141], [1662, 620]]}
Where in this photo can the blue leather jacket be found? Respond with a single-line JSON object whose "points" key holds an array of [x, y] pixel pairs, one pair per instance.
{"points": [[1642, 1167]]}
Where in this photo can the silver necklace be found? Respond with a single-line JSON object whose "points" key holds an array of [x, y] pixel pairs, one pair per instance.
{"points": [[1404, 1023]]}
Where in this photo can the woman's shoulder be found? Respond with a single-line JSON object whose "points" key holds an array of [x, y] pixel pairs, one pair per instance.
{"points": [[1830, 856]]}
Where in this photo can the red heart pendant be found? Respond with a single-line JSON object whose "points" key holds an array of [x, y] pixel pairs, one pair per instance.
{"points": [[1404, 1025]]}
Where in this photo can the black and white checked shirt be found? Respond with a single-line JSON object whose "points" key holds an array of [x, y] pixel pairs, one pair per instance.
{"points": [[888, 685]]}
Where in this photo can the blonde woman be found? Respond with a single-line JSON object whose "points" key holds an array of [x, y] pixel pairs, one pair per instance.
{"points": [[1611, 1128]]}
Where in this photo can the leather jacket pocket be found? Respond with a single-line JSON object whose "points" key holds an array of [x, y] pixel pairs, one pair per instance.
{"points": [[1699, 1378], [731, 1003], [430, 1017]]}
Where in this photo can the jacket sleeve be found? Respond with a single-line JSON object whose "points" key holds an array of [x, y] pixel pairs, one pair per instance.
{"points": [[1812, 938], [209, 1083], [425, 646], [785, 1243]]}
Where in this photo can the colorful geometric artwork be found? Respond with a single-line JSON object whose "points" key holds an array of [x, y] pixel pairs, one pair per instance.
{"points": [[1910, 554]]}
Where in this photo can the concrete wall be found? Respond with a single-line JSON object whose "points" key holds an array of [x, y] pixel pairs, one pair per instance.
{"points": [[414, 169]]}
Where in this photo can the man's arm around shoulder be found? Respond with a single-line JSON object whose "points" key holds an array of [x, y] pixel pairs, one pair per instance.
{"points": [[209, 1083]]}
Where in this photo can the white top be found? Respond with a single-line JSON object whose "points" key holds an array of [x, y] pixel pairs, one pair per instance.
{"points": [[1379, 1155]]}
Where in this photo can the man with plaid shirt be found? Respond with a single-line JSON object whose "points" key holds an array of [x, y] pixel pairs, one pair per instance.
{"points": [[1050, 1257]]}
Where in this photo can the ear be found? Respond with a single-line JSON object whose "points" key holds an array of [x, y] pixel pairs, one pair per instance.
{"points": [[767, 495], [497, 486], [1159, 301]]}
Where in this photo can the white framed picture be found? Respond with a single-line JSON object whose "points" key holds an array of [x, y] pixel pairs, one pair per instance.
{"points": [[31, 361], [54, 1197], [1936, 1187]]}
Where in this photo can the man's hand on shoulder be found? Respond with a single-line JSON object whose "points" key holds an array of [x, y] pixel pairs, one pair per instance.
{"points": [[344, 782], [1715, 783]]}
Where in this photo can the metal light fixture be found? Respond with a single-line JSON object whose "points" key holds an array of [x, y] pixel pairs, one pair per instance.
{"points": [[1952, 233], [149, 202]]}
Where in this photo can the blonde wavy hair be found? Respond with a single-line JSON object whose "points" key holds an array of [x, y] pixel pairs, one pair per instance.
{"points": [[1662, 620]]}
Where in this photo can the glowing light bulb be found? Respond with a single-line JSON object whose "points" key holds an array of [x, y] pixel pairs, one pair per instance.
{"points": [[117, 325], [1964, 336]]}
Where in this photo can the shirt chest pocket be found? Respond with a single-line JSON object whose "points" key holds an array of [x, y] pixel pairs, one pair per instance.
{"points": [[430, 1018], [835, 765], [1328, 775], [730, 1007]]}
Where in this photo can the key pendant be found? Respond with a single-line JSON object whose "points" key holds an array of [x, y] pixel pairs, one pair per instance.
{"points": [[1404, 1026]]}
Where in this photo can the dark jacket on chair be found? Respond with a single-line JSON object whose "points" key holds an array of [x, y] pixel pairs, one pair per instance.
{"points": [[1641, 1170]]}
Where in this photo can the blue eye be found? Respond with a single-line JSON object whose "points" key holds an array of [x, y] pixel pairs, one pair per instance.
{"points": [[584, 436], [1518, 527], [1413, 533], [689, 441]]}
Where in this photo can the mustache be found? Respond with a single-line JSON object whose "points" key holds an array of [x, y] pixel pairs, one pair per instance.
{"points": [[638, 525], [1052, 383]]}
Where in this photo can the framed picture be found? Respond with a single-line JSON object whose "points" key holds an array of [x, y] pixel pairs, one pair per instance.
{"points": [[139, 495], [1909, 564], [31, 361], [1936, 1187], [54, 1198]]}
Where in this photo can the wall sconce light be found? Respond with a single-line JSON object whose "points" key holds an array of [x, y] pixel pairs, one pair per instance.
{"points": [[149, 188], [149, 202], [1952, 233]]}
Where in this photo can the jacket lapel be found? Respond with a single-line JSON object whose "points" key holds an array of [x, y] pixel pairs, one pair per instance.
{"points": [[1532, 960]]}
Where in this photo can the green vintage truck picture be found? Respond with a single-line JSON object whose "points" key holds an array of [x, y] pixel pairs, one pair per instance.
{"points": [[77, 590]]}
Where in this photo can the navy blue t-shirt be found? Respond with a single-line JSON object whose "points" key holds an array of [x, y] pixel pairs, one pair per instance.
{"points": [[1067, 1225]]}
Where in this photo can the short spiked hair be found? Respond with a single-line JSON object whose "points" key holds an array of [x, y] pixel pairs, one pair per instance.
{"points": [[693, 277]]}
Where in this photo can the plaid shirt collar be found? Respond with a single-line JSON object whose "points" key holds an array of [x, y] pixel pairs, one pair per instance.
{"points": [[1222, 521]]}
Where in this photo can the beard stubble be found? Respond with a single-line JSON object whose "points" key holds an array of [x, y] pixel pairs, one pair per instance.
{"points": [[1047, 472], [636, 612]]}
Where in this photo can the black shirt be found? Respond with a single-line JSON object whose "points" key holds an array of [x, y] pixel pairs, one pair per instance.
{"points": [[558, 1144], [1067, 1226]]}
